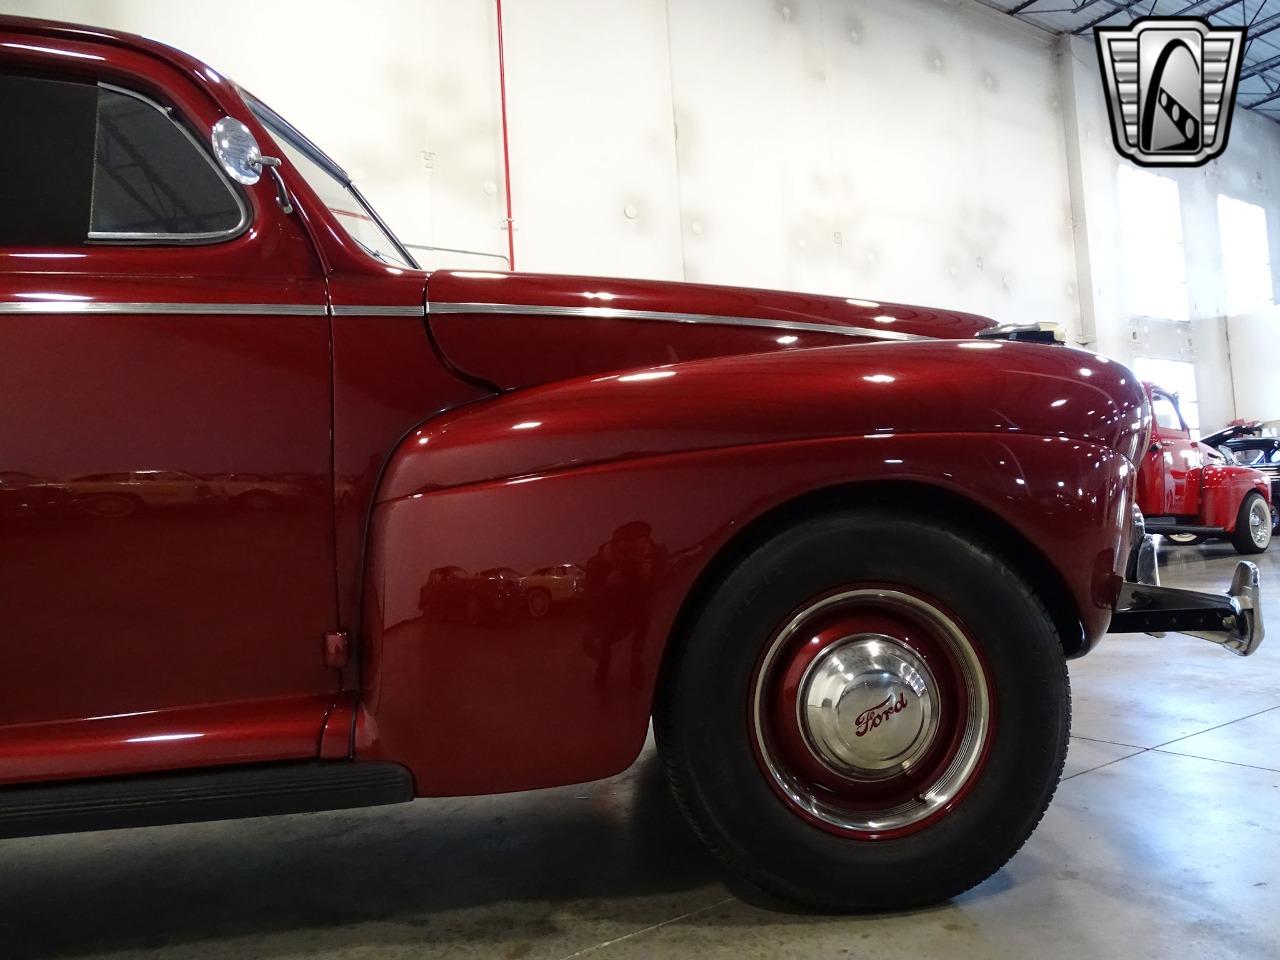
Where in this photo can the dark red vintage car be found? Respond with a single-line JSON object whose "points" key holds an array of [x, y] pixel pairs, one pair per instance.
{"points": [[1189, 492], [1249, 444], [838, 551]]}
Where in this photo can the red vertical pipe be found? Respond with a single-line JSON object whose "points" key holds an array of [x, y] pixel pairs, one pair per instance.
{"points": [[506, 142]]}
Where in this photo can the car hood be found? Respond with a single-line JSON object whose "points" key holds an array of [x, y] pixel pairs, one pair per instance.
{"points": [[516, 330]]}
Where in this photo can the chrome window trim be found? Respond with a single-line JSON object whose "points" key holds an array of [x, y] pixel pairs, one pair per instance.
{"points": [[278, 126], [171, 309], [616, 313], [183, 239]]}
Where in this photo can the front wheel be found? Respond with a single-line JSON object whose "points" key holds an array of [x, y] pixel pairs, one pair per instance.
{"points": [[1185, 539], [1253, 525], [871, 712]]}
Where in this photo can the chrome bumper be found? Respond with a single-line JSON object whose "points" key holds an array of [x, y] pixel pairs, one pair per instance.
{"points": [[1233, 619]]}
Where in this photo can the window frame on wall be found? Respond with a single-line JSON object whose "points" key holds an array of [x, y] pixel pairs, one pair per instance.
{"points": [[1154, 286], [1238, 298]]}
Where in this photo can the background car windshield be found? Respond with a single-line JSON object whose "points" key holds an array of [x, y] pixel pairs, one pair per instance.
{"points": [[333, 188]]}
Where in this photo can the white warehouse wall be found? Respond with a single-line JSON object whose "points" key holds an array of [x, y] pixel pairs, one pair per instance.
{"points": [[929, 151], [904, 150], [1226, 368], [1255, 350], [402, 93], [792, 165]]}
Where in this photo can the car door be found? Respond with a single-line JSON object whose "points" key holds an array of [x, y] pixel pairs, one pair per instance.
{"points": [[1178, 457], [166, 545]]}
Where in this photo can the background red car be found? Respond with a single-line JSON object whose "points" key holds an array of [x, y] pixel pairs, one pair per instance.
{"points": [[1188, 492]]}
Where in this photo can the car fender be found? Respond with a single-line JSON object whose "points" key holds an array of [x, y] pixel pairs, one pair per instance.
{"points": [[869, 389], [643, 485], [1223, 488]]}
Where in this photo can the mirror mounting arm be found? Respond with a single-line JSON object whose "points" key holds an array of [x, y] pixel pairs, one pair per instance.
{"points": [[237, 150], [282, 192]]}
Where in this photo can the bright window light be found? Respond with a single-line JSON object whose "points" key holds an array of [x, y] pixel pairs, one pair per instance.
{"points": [[1175, 376], [1155, 267], [1246, 257]]}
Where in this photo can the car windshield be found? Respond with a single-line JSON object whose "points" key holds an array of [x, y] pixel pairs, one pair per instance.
{"points": [[334, 188], [1254, 453]]}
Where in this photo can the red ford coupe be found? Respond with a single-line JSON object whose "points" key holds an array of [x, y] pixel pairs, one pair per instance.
{"points": [[837, 551]]}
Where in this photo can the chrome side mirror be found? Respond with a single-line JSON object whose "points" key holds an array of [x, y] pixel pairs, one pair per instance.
{"points": [[238, 153]]}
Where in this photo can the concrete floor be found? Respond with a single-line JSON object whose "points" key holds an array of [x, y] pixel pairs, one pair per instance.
{"points": [[1163, 841]]}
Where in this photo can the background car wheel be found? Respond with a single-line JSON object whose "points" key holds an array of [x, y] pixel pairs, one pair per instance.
{"points": [[257, 500], [1253, 525], [112, 506], [889, 719], [539, 603], [1184, 539]]}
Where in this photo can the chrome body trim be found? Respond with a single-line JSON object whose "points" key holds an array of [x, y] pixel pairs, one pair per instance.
{"points": [[344, 310], [171, 309], [616, 313], [212, 309], [207, 237]]}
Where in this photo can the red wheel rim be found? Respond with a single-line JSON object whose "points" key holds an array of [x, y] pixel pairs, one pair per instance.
{"points": [[872, 712]]}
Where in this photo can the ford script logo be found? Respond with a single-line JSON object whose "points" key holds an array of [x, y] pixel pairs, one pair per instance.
{"points": [[872, 717]]}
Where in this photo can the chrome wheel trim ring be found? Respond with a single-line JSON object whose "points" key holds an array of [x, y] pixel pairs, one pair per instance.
{"points": [[1260, 522], [945, 788]]}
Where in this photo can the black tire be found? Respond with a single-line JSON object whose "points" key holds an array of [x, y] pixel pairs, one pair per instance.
{"points": [[702, 716], [1185, 539], [1249, 537]]}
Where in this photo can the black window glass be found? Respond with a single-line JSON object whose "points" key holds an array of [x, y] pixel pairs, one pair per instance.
{"points": [[46, 160], [86, 162], [150, 178]]}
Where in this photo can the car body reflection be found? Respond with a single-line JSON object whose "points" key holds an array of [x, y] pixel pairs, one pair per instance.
{"points": [[112, 496]]}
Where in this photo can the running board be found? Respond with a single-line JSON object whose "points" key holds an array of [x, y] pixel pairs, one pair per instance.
{"points": [[216, 794]]}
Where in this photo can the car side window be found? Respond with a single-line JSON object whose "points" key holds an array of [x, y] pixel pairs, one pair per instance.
{"points": [[1166, 413], [86, 163], [150, 178]]}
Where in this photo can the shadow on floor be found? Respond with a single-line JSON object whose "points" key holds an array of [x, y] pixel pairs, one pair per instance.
{"points": [[617, 849]]}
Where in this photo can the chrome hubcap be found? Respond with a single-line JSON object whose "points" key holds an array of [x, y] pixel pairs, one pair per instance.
{"points": [[1260, 523], [871, 712], [867, 707]]}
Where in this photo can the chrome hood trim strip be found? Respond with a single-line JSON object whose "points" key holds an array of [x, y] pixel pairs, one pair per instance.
{"points": [[210, 309], [615, 313], [343, 310], [171, 309]]}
